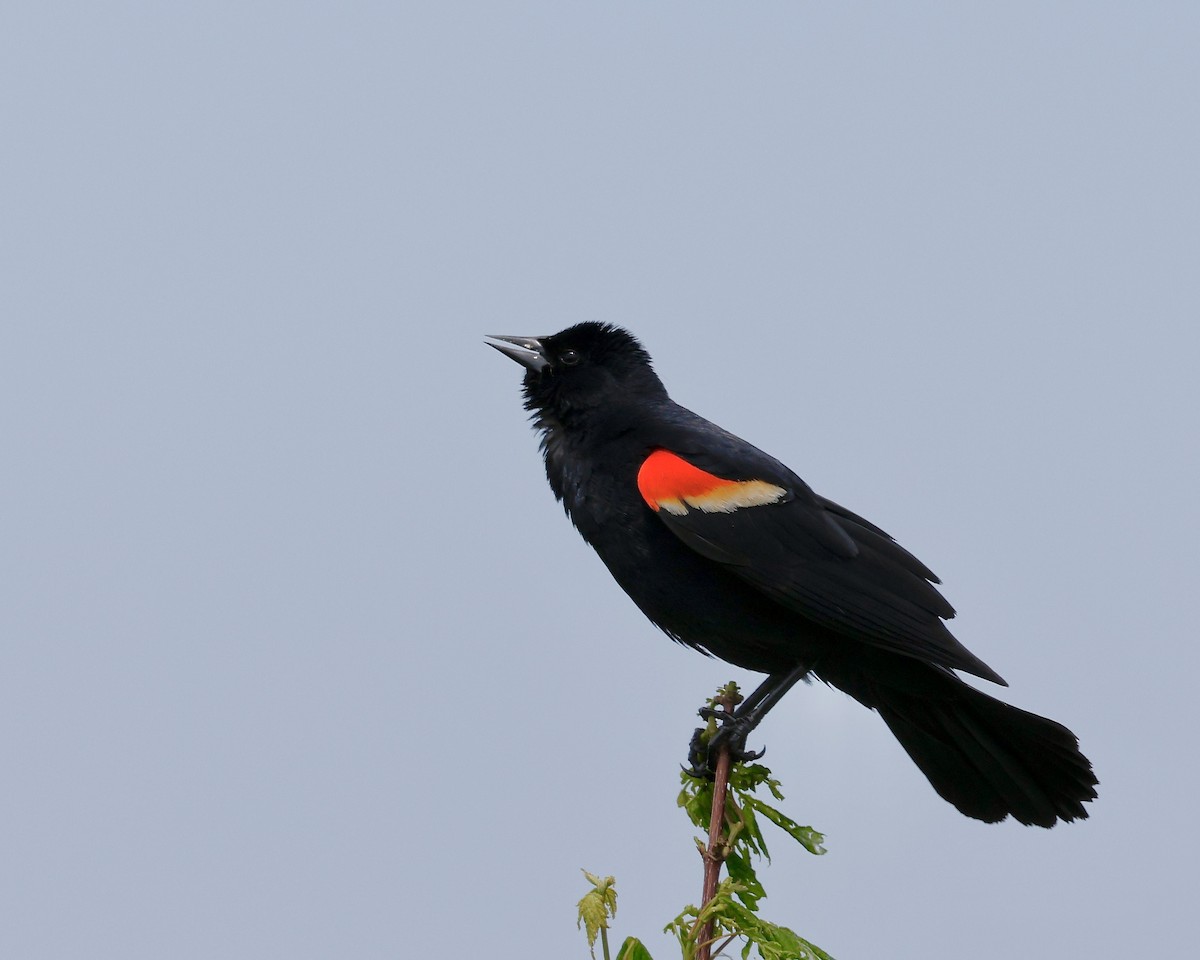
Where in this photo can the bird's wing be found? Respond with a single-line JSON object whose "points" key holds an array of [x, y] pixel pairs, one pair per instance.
{"points": [[804, 552]]}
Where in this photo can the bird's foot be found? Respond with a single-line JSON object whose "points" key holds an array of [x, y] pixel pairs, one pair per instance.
{"points": [[705, 747]]}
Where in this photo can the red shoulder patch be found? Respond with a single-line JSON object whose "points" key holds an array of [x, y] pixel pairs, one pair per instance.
{"points": [[668, 482]]}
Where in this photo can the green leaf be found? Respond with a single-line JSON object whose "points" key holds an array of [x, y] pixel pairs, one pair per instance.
{"points": [[807, 837], [746, 777], [696, 799], [633, 949], [597, 905], [741, 872], [753, 837], [816, 951]]}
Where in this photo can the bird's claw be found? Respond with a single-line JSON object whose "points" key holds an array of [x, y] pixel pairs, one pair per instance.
{"points": [[702, 755]]}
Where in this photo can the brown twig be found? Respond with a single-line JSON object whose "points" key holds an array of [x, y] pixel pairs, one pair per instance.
{"points": [[714, 854]]}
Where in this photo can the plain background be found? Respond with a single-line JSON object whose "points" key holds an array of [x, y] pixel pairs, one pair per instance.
{"points": [[300, 658]]}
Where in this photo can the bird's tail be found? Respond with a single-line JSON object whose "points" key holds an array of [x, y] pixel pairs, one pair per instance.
{"points": [[989, 759]]}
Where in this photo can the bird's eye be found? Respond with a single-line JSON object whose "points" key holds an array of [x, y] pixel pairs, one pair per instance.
{"points": [[568, 358]]}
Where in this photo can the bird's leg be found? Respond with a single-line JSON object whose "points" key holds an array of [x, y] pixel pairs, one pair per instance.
{"points": [[768, 693], [736, 726]]}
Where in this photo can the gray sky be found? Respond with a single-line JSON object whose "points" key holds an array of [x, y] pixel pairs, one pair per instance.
{"points": [[299, 656]]}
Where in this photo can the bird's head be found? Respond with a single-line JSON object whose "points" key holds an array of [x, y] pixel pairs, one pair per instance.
{"points": [[584, 368]]}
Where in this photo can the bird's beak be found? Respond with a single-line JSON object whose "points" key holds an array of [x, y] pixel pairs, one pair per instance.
{"points": [[527, 351]]}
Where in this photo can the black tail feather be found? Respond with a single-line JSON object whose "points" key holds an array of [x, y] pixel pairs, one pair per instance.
{"points": [[989, 759]]}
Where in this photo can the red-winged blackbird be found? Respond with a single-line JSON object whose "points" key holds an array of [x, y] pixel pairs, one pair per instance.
{"points": [[728, 551]]}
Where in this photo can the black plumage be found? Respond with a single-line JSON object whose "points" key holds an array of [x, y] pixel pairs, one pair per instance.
{"points": [[728, 551]]}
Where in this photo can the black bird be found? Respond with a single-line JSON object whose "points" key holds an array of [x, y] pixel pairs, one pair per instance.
{"points": [[728, 551]]}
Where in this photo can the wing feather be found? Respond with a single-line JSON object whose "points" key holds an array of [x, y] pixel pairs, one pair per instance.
{"points": [[830, 566]]}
